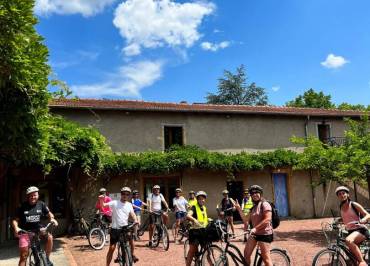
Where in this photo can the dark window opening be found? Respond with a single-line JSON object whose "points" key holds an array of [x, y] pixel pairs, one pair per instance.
{"points": [[173, 136], [323, 132]]}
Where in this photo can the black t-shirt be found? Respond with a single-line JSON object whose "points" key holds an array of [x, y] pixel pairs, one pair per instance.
{"points": [[226, 204], [30, 215]]}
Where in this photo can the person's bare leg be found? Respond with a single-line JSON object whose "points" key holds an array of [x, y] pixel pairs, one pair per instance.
{"points": [[23, 255], [49, 245], [177, 228], [265, 253], [248, 250], [231, 222], [151, 228], [165, 218], [110, 252], [189, 257], [352, 242]]}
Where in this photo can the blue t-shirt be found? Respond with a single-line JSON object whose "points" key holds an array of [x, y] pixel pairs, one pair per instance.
{"points": [[138, 203]]}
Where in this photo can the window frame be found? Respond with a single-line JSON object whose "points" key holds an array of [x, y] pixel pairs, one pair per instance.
{"points": [[164, 125]]}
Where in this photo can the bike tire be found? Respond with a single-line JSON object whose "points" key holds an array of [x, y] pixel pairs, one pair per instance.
{"points": [[173, 228], [43, 259], [126, 255], [279, 257], [143, 227], [334, 258], [33, 259], [211, 255], [156, 236], [165, 238], [96, 238]]}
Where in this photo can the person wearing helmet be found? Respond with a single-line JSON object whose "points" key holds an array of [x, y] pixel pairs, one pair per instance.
{"points": [[351, 213], [181, 205], [199, 219], [106, 212], [155, 201], [227, 209], [260, 217], [247, 205], [122, 210], [138, 205], [192, 200], [28, 218]]}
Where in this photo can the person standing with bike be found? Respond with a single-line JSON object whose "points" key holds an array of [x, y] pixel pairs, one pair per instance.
{"points": [[351, 213], [155, 201], [227, 210], [192, 200], [198, 216], [122, 210], [181, 205], [260, 217], [138, 204], [28, 217], [106, 212], [247, 205]]}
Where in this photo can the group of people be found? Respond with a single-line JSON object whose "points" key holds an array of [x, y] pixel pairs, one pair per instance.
{"points": [[254, 210]]}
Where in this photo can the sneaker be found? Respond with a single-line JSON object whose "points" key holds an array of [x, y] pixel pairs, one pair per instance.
{"points": [[135, 259]]}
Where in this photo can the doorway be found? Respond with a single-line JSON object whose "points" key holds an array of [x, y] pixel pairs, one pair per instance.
{"points": [[235, 189], [281, 194]]}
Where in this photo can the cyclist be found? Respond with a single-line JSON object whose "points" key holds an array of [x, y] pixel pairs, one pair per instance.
{"points": [[181, 205], [351, 213], [28, 218], [260, 218], [122, 210], [227, 209], [138, 204], [192, 200], [198, 216], [105, 211], [155, 202], [247, 205]]}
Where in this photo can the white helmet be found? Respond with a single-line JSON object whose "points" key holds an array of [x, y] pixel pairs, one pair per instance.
{"points": [[156, 186], [31, 189], [126, 189], [201, 193], [102, 190], [341, 188]]}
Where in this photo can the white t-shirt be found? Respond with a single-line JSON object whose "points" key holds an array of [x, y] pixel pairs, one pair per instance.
{"points": [[120, 213], [180, 204], [156, 201]]}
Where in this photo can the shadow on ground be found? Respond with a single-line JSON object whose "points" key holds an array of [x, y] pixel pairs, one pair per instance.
{"points": [[315, 237]]}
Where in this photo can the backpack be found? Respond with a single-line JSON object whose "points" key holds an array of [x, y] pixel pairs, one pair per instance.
{"points": [[354, 208], [275, 219]]}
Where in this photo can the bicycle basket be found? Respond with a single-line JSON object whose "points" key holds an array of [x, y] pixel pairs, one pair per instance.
{"points": [[213, 232], [330, 231]]}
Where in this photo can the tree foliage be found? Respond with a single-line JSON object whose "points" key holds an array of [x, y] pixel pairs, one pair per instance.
{"points": [[312, 99], [233, 89], [357, 107], [23, 82]]}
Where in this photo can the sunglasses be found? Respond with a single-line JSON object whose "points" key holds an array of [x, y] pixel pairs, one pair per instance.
{"points": [[254, 192], [125, 194]]}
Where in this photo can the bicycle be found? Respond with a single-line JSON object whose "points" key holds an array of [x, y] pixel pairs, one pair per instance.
{"points": [[98, 233], [160, 232], [124, 256], [79, 225], [37, 255], [230, 251], [144, 225], [337, 253], [183, 230]]}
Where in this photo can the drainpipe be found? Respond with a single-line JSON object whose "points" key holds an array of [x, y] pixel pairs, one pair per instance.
{"points": [[306, 127], [311, 178]]}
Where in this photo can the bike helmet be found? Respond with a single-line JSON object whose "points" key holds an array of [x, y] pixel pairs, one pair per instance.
{"points": [[156, 186], [255, 188], [135, 192], [178, 190], [102, 190], [126, 189], [201, 193], [31, 189], [191, 192], [225, 191], [341, 188]]}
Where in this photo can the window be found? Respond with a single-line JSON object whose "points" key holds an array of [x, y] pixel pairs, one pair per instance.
{"points": [[323, 132], [168, 187], [173, 135]]}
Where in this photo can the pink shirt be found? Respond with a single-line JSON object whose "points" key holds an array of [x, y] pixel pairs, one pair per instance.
{"points": [[256, 216], [104, 210], [350, 217]]}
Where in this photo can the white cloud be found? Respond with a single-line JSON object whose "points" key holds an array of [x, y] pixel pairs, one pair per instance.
{"points": [[67, 7], [275, 88], [334, 61], [128, 81], [156, 23], [208, 46], [75, 58]]}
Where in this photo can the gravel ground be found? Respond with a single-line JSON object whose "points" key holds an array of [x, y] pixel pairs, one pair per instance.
{"points": [[301, 238]]}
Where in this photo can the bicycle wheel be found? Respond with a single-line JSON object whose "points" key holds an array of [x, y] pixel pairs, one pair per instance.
{"points": [[186, 249], [96, 238], [279, 257], [33, 259], [328, 257], [143, 227], [43, 259], [211, 255], [165, 238], [126, 255], [156, 236]]}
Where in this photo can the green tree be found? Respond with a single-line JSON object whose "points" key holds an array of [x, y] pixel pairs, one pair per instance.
{"points": [[23, 81], [358, 107], [233, 89], [312, 99]]}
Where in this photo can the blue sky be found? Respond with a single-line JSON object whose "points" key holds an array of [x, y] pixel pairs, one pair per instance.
{"points": [[162, 50]]}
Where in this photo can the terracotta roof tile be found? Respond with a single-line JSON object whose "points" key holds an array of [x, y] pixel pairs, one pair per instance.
{"points": [[130, 105]]}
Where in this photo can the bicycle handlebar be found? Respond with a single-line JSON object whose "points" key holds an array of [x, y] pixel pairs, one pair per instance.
{"points": [[42, 229]]}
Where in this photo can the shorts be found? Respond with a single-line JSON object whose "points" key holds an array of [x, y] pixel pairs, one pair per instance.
{"points": [[114, 235], [25, 241], [154, 218], [362, 231], [197, 236], [264, 238], [180, 215], [138, 213], [228, 213]]}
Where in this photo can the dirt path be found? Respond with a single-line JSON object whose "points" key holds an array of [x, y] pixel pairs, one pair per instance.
{"points": [[301, 238]]}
